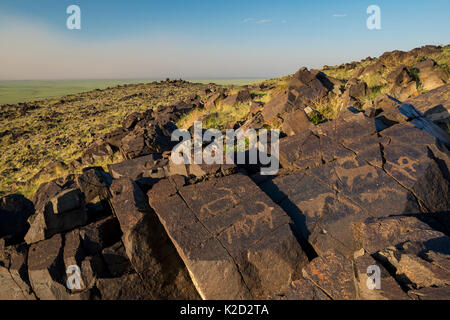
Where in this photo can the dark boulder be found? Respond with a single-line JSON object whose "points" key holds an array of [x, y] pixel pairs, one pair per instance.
{"points": [[14, 282], [242, 96], [147, 245], [235, 242], [402, 84], [295, 122], [65, 211], [14, 213]]}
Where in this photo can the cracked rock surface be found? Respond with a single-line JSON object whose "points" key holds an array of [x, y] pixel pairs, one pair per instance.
{"points": [[360, 208]]}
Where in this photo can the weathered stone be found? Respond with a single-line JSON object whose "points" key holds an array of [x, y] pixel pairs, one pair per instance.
{"points": [[97, 151], [240, 97], [385, 102], [334, 275], [372, 69], [366, 185], [300, 151], [431, 79], [46, 269], [133, 145], [425, 64], [63, 212], [94, 183], [99, 235], [256, 107], [402, 85], [410, 163], [173, 169], [126, 287], [421, 122], [116, 260], [389, 288], [48, 190], [115, 137], [356, 89], [307, 86], [305, 290], [295, 122], [74, 255], [279, 104], [413, 271], [147, 246], [376, 234], [136, 168], [67, 201], [228, 232], [14, 212], [212, 101], [435, 104], [431, 293], [362, 183], [131, 120], [14, 283], [323, 218]]}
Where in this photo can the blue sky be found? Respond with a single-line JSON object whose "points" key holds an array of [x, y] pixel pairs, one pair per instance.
{"points": [[205, 39]]}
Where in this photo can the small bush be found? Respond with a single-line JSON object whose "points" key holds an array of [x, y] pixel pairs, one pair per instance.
{"points": [[316, 118]]}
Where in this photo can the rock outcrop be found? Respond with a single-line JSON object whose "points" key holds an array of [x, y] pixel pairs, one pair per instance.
{"points": [[235, 242], [358, 210]]}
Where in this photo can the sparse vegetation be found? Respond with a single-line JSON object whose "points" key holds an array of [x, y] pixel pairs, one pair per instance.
{"points": [[37, 134], [34, 135], [329, 108], [220, 117], [316, 117], [339, 73]]}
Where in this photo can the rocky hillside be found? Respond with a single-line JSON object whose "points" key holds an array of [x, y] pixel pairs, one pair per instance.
{"points": [[364, 182]]}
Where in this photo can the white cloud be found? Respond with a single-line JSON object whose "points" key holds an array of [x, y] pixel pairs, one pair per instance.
{"points": [[337, 15], [263, 21], [283, 21], [248, 20]]}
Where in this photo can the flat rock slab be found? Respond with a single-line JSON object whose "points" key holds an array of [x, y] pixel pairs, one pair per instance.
{"points": [[417, 256], [435, 104], [344, 137], [14, 212], [376, 234], [235, 241], [126, 287], [135, 168], [333, 274], [46, 269], [389, 288], [147, 246], [304, 290], [323, 216], [14, 283], [345, 172]]}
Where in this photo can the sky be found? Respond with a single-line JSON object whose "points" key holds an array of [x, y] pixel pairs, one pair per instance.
{"points": [[143, 39]]}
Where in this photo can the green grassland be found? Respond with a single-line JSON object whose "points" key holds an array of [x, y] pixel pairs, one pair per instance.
{"points": [[58, 126], [32, 90]]}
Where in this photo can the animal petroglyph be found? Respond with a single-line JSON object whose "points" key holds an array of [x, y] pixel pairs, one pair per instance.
{"points": [[248, 223], [405, 166], [211, 208], [362, 172], [314, 207]]}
